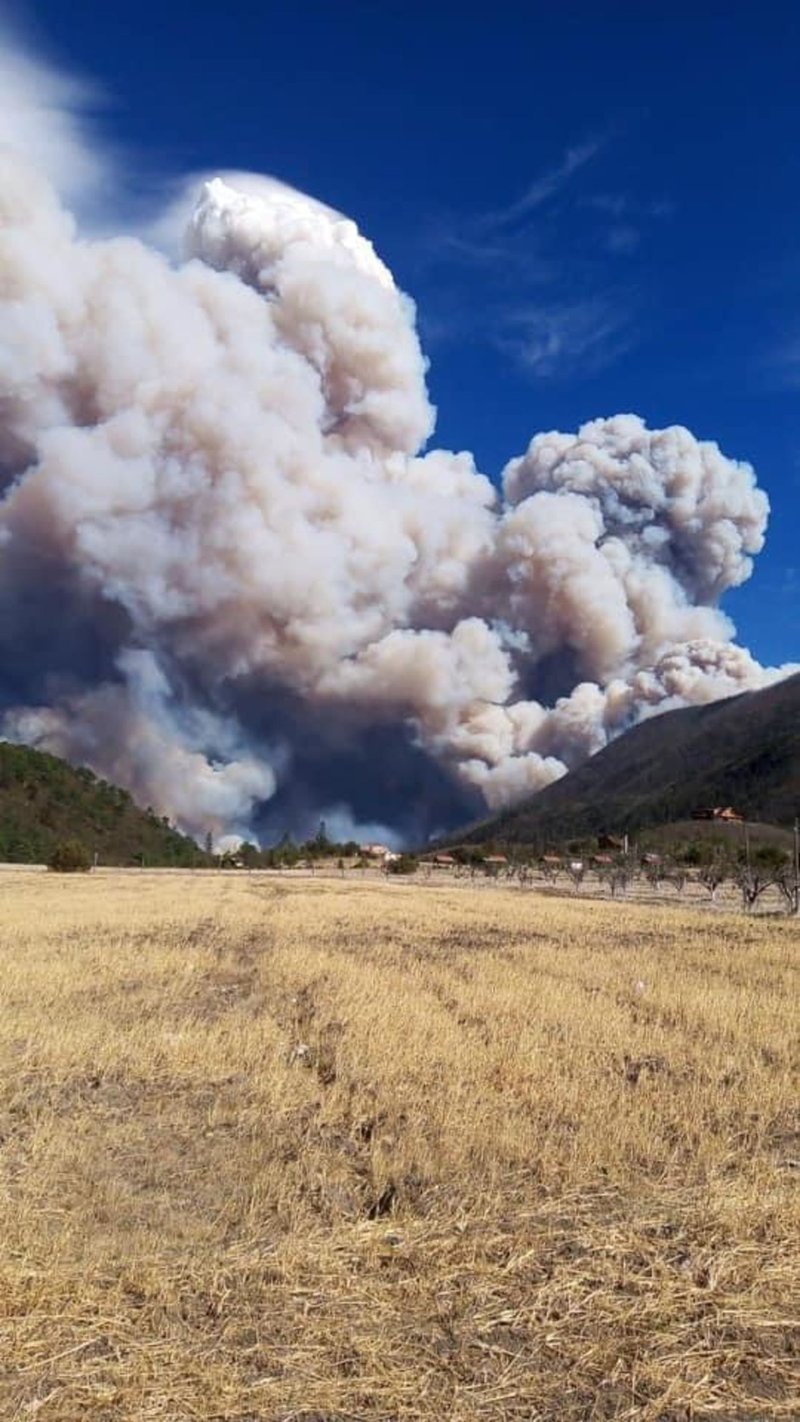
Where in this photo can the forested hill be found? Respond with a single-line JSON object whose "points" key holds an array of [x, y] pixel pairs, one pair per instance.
{"points": [[44, 801], [744, 752]]}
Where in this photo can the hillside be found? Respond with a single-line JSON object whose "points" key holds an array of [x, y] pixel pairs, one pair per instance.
{"points": [[744, 751], [44, 800]]}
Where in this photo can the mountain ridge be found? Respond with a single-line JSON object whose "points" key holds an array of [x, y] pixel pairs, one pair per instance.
{"points": [[742, 751], [44, 800]]}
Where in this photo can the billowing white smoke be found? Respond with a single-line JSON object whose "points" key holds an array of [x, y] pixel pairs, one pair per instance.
{"points": [[221, 549]]}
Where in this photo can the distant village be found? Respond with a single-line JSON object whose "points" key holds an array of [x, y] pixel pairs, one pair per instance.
{"points": [[747, 862]]}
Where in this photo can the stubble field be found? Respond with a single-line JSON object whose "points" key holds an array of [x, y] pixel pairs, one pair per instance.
{"points": [[358, 1152]]}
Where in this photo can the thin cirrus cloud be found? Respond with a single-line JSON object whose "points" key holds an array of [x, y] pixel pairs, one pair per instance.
{"points": [[551, 297], [555, 339], [781, 365], [543, 189], [622, 239]]}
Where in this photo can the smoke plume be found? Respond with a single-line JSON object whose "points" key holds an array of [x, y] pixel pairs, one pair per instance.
{"points": [[233, 582]]}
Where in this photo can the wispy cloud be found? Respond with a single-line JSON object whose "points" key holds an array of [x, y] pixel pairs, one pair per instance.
{"points": [[781, 365], [625, 216], [507, 236], [544, 270], [542, 189], [502, 258], [622, 239], [558, 338]]}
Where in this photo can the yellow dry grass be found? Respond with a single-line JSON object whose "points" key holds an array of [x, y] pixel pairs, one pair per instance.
{"points": [[337, 1151]]}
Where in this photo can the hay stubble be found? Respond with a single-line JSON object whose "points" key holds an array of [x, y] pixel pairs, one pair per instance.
{"points": [[338, 1150]]}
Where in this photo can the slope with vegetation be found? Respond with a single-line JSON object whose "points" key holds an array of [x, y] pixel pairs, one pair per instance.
{"points": [[744, 752], [45, 802]]}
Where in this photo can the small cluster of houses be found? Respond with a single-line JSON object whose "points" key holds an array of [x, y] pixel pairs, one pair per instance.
{"points": [[381, 853], [447, 861], [609, 847], [726, 813]]}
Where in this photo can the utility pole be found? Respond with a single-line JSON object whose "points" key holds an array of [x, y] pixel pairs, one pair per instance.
{"points": [[797, 865]]}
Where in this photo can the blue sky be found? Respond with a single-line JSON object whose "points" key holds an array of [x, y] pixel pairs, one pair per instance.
{"points": [[595, 206]]}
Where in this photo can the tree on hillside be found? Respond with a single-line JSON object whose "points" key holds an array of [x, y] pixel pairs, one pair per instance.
{"points": [[694, 854], [770, 857]]}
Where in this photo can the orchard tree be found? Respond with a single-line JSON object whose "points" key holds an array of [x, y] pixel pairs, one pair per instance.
{"points": [[576, 872], [753, 881], [788, 882], [712, 875], [551, 868], [677, 876]]}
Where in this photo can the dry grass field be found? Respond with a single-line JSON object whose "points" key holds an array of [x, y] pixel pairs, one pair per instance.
{"points": [[356, 1152]]}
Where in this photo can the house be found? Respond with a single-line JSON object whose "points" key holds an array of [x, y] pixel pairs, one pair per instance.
{"points": [[495, 859], [374, 851], [725, 813]]}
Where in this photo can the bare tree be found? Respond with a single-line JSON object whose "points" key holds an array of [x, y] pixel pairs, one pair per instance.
{"points": [[618, 875], [550, 867], [576, 870], [653, 870], [788, 882], [602, 870], [622, 875], [789, 876], [677, 876], [712, 875], [753, 881]]}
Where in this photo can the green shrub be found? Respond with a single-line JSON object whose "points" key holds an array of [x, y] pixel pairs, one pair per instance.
{"points": [[70, 856], [770, 856], [406, 864]]}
